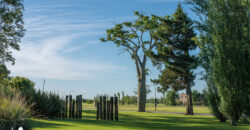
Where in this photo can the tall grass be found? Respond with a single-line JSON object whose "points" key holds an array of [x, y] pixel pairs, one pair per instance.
{"points": [[14, 110]]}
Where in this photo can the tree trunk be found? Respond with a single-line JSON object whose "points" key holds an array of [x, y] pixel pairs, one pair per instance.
{"points": [[189, 101], [164, 99], [233, 122], [221, 117], [141, 99]]}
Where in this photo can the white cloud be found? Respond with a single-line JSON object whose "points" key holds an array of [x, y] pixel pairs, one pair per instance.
{"points": [[43, 60], [49, 38]]}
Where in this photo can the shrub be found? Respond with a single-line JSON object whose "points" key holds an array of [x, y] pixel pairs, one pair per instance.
{"points": [[171, 98], [179, 102], [89, 101], [129, 100], [47, 104], [244, 120], [13, 111], [21, 83]]}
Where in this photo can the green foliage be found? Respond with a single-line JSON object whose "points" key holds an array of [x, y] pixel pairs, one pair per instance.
{"points": [[21, 83], [4, 74], [13, 109], [25, 86], [224, 45], [137, 38], [214, 102], [171, 98], [168, 79], [244, 120], [11, 28], [47, 104], [88, 101], [7, 91], [152, 101], [175, 41], [199, 98], [148, 90], [129, 100], [44, 104]]}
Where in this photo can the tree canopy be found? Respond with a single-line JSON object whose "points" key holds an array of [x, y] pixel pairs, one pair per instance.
{"points": [[175, 35], [137, 38], [11, 28], [224, 45]]}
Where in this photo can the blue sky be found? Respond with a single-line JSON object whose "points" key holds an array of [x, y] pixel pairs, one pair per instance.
{"points": [[62, 45]]}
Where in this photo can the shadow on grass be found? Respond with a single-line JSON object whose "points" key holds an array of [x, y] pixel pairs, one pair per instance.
{"points": [[150, 121], [41, 124]]}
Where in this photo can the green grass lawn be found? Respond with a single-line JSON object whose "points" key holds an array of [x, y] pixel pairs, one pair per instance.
{"points": [[136, 120], [160, 107]]}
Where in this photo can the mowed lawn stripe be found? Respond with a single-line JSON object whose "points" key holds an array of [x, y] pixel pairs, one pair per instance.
{"points": [[136, 120]]}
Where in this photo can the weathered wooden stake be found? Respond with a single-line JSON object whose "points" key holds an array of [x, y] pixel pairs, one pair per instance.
{"points": [[97, 110], [66, 107], [101, 111], [111, 108], [62, 110], [70, 106], [108, 110], [104, 107], [77, 106], [80, 106], [73, 109], [116, 108]]}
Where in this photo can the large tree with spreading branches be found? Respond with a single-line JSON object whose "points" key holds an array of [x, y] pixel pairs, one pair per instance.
{"points": [[137, 38]]}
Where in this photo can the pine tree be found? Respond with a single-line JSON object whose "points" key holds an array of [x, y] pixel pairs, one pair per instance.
{"points": [[173, 49]]}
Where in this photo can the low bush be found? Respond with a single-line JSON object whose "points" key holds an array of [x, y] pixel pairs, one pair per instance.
{"points": [[171, 97], [45, 104], [13, 110], [89, 101], [244, 120]]}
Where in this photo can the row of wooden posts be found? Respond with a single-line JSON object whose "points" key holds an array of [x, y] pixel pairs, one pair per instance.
{"points": [[73, 107], [104, 108]]}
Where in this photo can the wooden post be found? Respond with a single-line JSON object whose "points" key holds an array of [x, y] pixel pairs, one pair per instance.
{"points": [[73, 109], [97, 110], [77, 104], [108, 110], [70, 106], [66, 107], [80, 107], [62, 109], [116, 108], [104, 107], [101, 116], [111, 108]]}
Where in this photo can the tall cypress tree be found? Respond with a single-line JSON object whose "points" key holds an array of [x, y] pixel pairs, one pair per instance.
{"points": [[173, 49], [225, 35]]}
